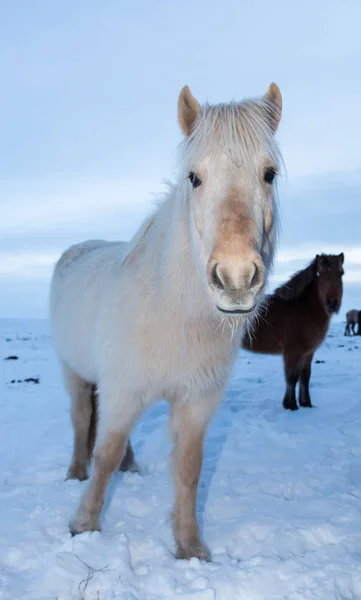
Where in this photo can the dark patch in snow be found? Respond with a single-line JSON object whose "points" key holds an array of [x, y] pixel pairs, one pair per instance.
{"points": [[27, 380]]}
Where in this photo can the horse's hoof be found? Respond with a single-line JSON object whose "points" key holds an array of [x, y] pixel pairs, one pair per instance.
{"points": [[79, 525], [77, 472], [193, 550], [131, 467], [306, 405], [287, 406]]}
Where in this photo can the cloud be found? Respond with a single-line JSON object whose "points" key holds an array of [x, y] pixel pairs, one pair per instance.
{"points": [[54, 205], [27, 265]]}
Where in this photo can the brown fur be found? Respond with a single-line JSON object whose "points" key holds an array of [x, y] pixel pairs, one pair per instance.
{"points": [[295, 320], [293, 288], [235, 232]]}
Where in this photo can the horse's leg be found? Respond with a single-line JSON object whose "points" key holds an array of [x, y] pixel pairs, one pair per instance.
{"points": [[81, 409], [128, 463], [115, 423], [189, 422], [292, 372], [304, 395], [346, 330]]}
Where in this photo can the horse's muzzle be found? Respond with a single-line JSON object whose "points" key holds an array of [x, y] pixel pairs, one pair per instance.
{"points": [[332, 305]]}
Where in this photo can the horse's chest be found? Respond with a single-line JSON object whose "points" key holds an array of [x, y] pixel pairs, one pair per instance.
{"points": [[188, 356], [317, 336]]}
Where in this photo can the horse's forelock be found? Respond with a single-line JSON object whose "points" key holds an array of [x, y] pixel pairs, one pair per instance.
{"points": [[241, 130]]}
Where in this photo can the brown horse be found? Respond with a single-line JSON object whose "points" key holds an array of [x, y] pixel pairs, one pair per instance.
{"points": [[295, 319]]}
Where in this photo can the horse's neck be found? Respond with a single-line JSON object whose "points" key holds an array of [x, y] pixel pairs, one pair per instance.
{"points": [[316, 307], [133, 244], [170, 254]]}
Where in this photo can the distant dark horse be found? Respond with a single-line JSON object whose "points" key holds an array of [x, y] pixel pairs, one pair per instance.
{"points": [[352, 319], [295, 320]]}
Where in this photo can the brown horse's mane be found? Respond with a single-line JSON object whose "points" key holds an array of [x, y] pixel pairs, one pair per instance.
{"points": [[294, 287]]}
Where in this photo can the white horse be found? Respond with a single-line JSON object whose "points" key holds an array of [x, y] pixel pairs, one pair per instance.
{"points": [[145, 320]]}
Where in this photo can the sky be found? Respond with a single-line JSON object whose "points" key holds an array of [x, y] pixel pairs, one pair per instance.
{"points": [[89, 129]]}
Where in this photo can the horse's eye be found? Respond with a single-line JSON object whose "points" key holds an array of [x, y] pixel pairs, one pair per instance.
{"points": [[269, 175], [194, 179]]}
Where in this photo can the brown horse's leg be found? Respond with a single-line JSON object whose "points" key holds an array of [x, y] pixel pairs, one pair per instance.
{"points": [[304, 395], [292, 371], [189, 430], [81, 410], [128, 463]]}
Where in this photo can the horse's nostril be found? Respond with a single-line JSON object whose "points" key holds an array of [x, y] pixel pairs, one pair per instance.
{"points": [[332, 304], [216, 280], [255, 278]]}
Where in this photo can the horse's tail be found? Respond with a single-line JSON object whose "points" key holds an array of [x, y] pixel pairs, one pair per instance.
{"points": [[92, 433]]}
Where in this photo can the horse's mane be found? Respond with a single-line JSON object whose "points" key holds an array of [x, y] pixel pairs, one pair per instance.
{"points": [[294, 287]]}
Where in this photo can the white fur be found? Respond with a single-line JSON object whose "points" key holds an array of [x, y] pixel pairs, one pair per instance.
{"points": [[140, 333], [139, 320]]}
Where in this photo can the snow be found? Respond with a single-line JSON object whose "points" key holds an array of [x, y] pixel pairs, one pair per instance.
{"points": [[279, 498]]}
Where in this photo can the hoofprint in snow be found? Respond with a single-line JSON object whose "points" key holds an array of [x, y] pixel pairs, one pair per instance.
{"points": [[279, 499]]}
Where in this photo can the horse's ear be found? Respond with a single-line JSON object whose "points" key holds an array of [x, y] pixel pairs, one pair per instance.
{"points": [[341, 258], [188, 110], [274, 99]]}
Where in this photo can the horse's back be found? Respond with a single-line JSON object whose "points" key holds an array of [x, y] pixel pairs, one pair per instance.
{"points": [[85, 250], [352, 316], [80, 267]]}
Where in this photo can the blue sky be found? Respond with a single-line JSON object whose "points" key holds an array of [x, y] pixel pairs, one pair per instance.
{"points": [[89, 130]]}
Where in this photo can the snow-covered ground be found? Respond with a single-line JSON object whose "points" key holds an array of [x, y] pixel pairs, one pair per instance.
{"points": [[279, 502]]}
